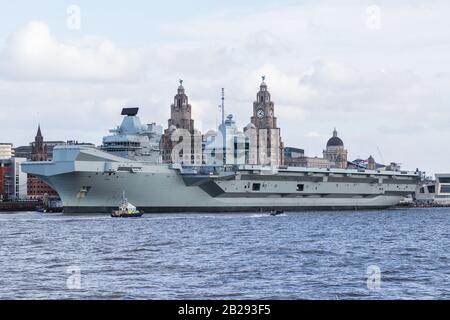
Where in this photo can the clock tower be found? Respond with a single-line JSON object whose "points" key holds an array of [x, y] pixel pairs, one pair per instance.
{"points": [[265, 122]]}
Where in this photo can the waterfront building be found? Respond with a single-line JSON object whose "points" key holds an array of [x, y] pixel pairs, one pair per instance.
{"points": [[13, 181], [335, 152], [24, 151], [293, 157], [334, 156], [435, 192], [312, 162], [6, 151], [39, 148], [268, 136], [290, 152], [5, 179], [19, 179], [180, 118], [27, 151], [36, 188]]}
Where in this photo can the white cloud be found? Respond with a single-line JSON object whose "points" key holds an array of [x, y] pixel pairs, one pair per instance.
{"points": [[32, 53], [313, 134], [330, 73], [386, 89]]}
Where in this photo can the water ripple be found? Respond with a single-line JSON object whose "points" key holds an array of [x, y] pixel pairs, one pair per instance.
{"points": [[313, 255]]}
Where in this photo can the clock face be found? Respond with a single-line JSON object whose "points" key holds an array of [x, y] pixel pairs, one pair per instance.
{"points": [[260, 113]]}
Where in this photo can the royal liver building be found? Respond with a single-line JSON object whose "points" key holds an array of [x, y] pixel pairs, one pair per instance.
{"points": [[180, 119], [269, 146]]}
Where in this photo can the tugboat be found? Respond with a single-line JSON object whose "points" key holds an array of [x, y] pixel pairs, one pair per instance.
{"points": [[126, 210], [50, 205]]}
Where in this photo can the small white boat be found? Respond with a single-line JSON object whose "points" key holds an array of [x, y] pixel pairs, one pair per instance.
{"points": [[126, 210]]}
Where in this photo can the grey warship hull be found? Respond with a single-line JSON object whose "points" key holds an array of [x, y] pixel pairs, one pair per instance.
{"points": [[89, 180]]}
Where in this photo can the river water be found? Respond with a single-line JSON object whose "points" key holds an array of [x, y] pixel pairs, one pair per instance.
{"points": [[392, 254]]}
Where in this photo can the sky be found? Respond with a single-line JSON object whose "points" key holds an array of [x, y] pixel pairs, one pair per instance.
{"points": [[377, 71]]}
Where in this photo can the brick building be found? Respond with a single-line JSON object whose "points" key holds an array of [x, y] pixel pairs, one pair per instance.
{"points": [[5, 181], [36, 188]]}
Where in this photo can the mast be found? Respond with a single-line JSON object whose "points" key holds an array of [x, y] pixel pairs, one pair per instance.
{"points": [[224, 130], [223, 106]]}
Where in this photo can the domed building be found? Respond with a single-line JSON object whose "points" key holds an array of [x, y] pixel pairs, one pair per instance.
{"points": [[335, 152]]}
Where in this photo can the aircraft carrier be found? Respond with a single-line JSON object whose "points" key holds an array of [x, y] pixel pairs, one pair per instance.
{"points": [[92, 180]]}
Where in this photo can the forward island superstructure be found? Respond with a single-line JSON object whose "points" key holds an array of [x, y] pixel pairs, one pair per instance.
{"points": [[93, 180]]}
